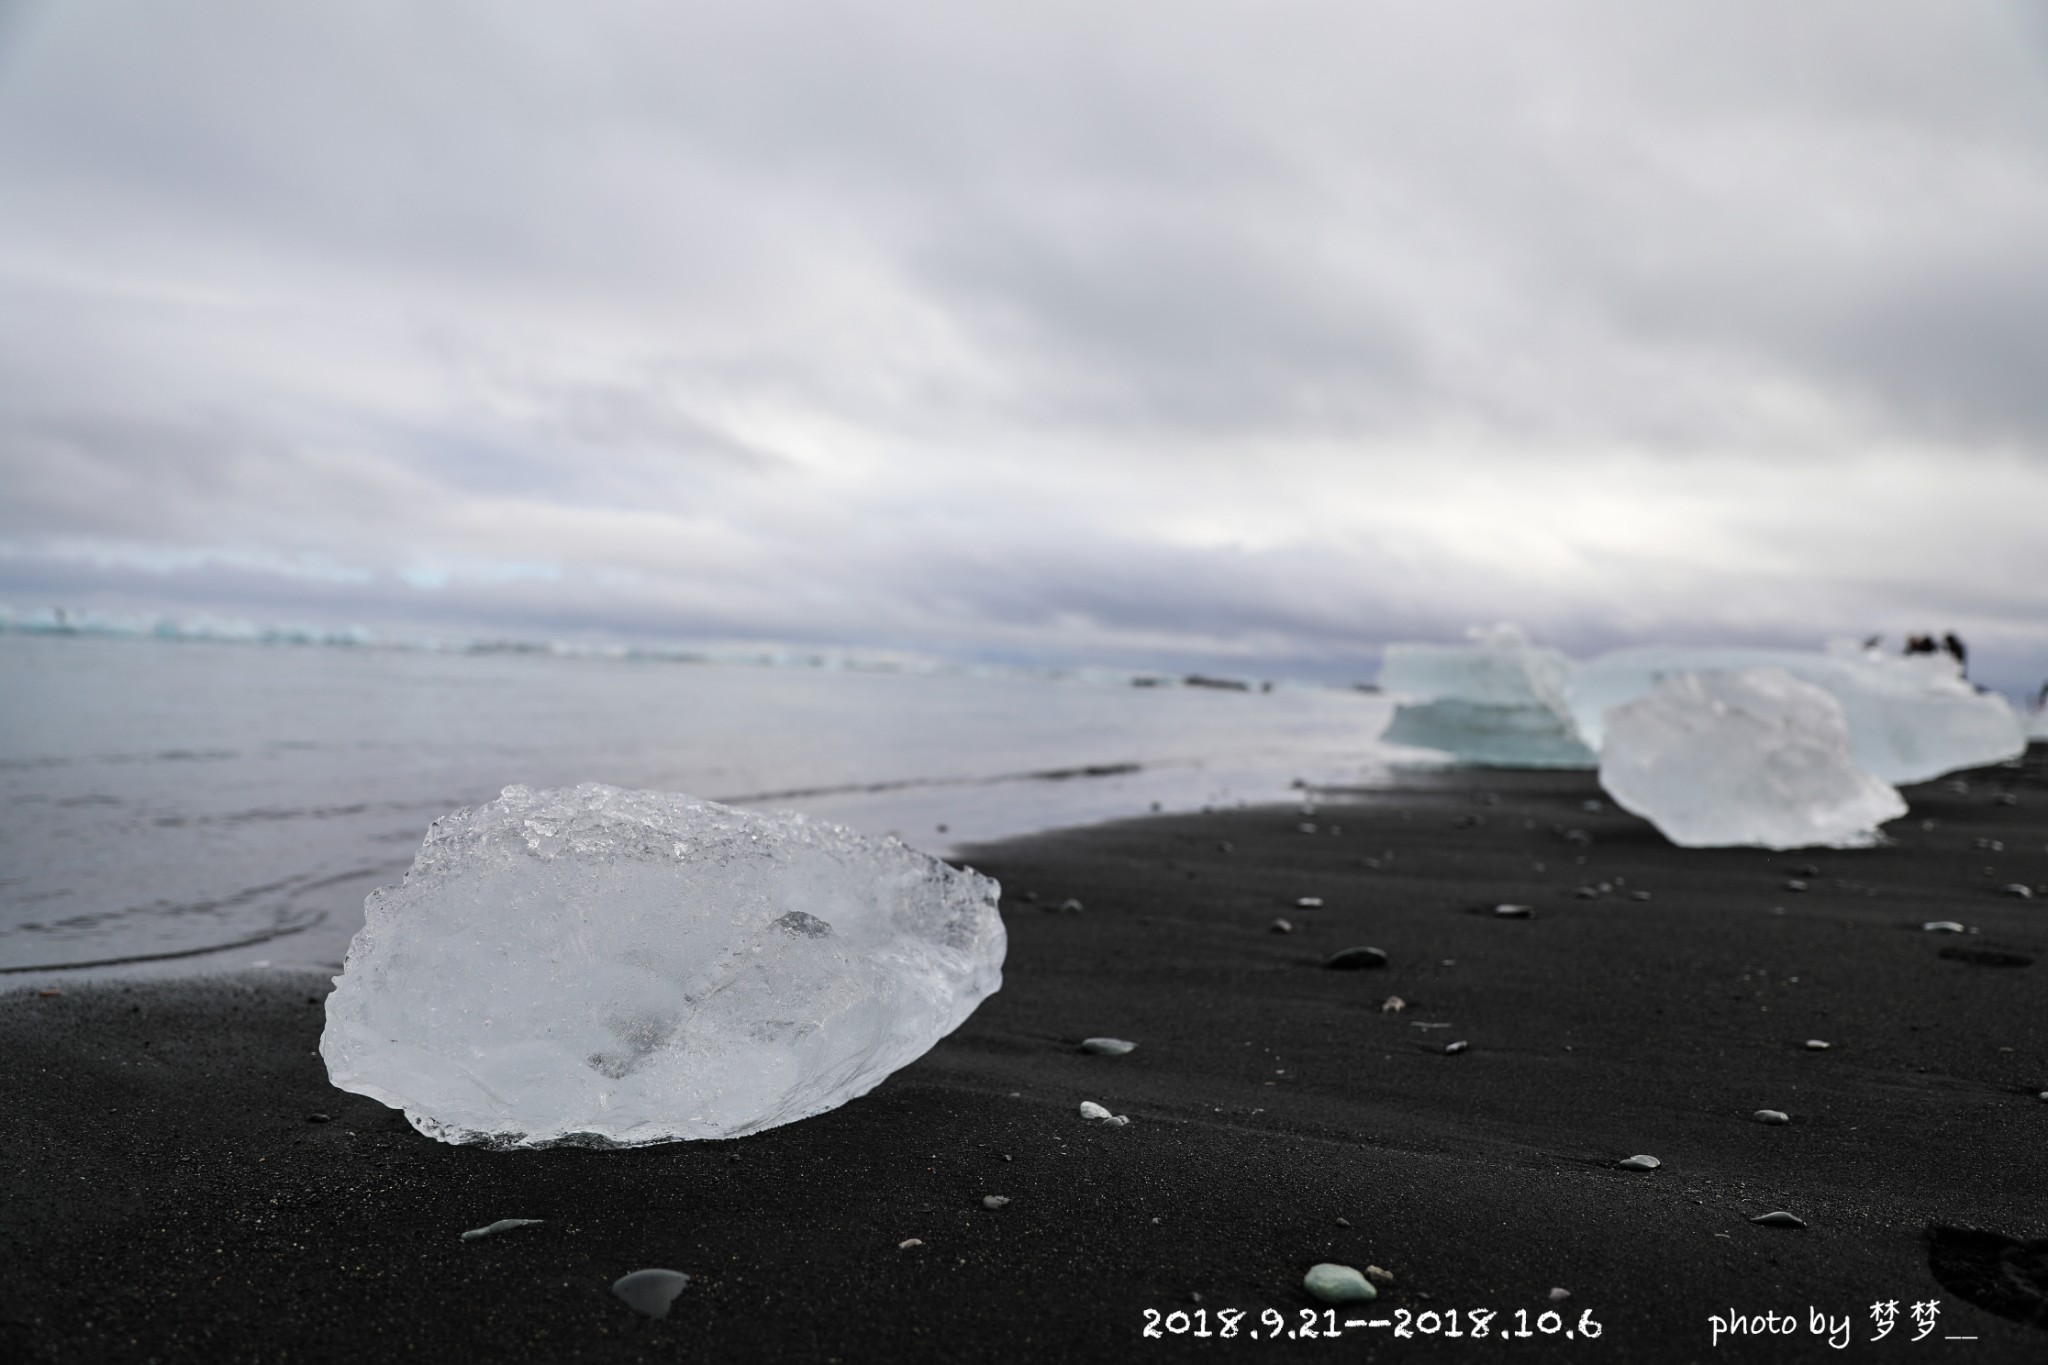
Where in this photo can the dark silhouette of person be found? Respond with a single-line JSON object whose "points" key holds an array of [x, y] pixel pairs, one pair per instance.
{"points": [[1920, 644], [1954, 645]]}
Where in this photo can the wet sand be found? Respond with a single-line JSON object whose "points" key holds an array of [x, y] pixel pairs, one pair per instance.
{"points": [[169, 1196]]}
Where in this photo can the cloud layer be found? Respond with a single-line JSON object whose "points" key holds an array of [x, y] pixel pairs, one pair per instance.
{"points": [[1145, 333]]}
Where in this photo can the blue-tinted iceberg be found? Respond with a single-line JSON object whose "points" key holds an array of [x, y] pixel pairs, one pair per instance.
{"points": [[1499, 700], [1756, 757], [1910, 718], [617, 968]]}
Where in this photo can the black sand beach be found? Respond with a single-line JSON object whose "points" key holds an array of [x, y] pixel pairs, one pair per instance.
{"points": [[170, 1196]]}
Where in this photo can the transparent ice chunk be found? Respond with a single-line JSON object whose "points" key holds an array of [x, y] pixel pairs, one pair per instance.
{"points": [[616, 968]]}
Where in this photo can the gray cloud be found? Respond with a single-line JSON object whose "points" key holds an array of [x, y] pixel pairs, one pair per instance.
{"points": [[1172, 331]]}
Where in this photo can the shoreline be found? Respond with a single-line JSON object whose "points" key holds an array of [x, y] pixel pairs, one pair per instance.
{"points": [[173, 1201]]}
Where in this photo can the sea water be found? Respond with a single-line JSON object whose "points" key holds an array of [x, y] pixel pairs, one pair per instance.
{"points": [[174, 806]]}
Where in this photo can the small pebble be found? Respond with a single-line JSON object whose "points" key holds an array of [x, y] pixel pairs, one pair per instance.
{"points": [[994, 1201], [1307, 827], [1941, 926], [1355, 959], [49, 994], [1771, 1116], [1816, 1045], [1778, 1218], [1338, 1284], [1515, 911], [2008, 799], [502, 1225], [1070, 906], [1393, 1004], [1280, 926], [319, 1118], [1095, 1113], [908, 1242], [1795, 883], [1226, 847], [2017, 890], [650, 1291], [1343, 1222], [1638, 895], [1375, 1273], [1640, 1163], [1308, 903], [1453, 1049], [1107, 1047], [1560, 1295]]}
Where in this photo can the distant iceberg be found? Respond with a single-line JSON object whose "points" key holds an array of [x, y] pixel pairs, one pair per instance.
{"points": [[1911, 718], [1499, 701], [1755, 757]]}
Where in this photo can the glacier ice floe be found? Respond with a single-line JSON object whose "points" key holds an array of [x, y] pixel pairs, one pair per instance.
{"points": [[617, 968], [1911, 718], [1754, 757], [1500, 701]]}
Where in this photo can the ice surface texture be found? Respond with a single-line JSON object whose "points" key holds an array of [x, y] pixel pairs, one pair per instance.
{"points": [[616, 968], [1754, 757], [1910, 718], [1499, 700]]}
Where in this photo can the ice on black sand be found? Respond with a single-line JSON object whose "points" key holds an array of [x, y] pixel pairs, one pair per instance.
{"points": [[502, 1225], [616, 968]]}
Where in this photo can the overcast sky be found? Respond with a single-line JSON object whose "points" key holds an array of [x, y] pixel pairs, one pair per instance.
{"points": [[1246, 335]]}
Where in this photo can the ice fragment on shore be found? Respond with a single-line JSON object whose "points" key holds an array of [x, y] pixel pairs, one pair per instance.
{"points": [[1639, 1163], [1910, 719], [1941, 926], [1771, 1116], [1338, 1284], [1753, 758], [1499, 700], [1778, 1218], [1107, 1047], [650, 1291], [1308, 902], [502, 1225], [616, 968], [1816, 1045], [994, 1201]]}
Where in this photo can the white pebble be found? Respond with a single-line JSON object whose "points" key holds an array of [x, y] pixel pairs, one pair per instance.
{"points": [[1106, 1047], [908, 1242], [1941, 926], [1771, 1116], [1816, 1045], [1308, 902], [1560, 1295], [502, 1225], [650, 1291], [1095, 1113], [1338, 1284], [1640, 1163], [994, 1201]]}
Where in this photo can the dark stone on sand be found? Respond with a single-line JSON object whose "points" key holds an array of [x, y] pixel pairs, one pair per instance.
{"points": [[1999, 1274], [1355, 959], [1987, 957], [319, 1118]]}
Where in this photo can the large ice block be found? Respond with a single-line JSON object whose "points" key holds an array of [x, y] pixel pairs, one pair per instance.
{"points": [[1911, 718], [1499, 700], [615, 968], [1755, 757]]}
